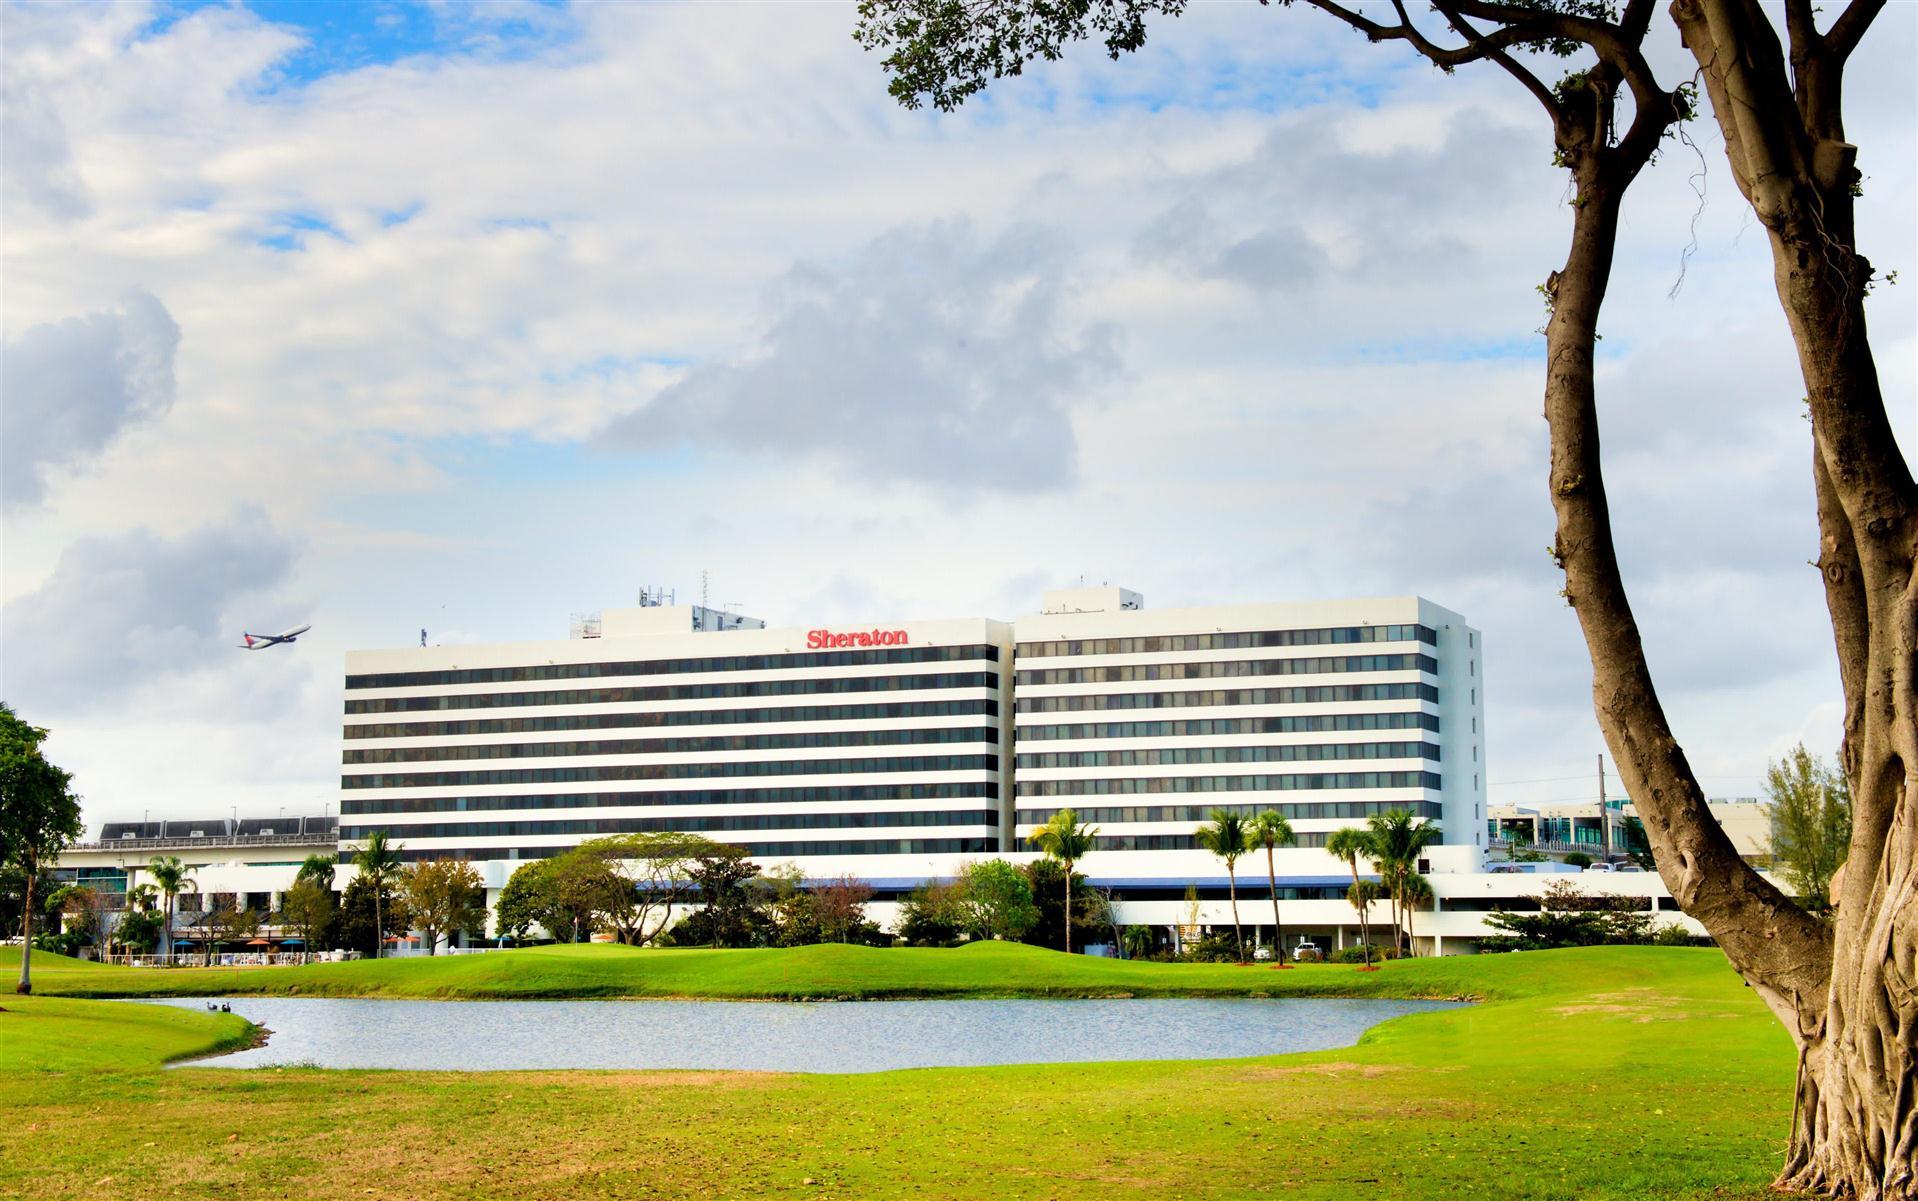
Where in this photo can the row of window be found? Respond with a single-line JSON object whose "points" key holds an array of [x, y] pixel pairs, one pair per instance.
{"points": [[1209, 726], [1252, 889], [1308, 695], [689, 825], [1203, 813], [1234, 641], [1135, 672], [659, 667], [816, 794], [673, 771], [675, 692], [555, 722], [1176, 756], [758, 850], [671, 746], [1346, 779]]}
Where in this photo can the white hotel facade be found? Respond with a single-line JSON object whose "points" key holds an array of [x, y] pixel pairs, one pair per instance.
{"points": [[898, 751]]}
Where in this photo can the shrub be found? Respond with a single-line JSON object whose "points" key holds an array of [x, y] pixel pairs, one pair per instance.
{"points": [[1578, 859]]}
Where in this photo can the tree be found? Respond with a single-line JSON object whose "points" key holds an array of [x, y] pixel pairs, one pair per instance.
{"points": [[1352, 845], [1811, 824], [841, 906], [228, 922], [13, 897], [1138, 941], [632, 881], [308, 909], [318, 870], [170, 875], [733, 907], [532, 897], [934, 914], [1227, 837], [1569, 917], [1050, 883], [445, 896], [378, 862], [996, 900], [1415, 891], [1837, 988], [1270, 830], [1398, 839], [1360, 896], [137, 930], [83, 911], [1064, 839], [370, 914], [39, 816], [1577, 859]]}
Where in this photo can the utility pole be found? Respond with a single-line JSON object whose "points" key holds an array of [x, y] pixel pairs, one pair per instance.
{"points": [[1604, 817]]}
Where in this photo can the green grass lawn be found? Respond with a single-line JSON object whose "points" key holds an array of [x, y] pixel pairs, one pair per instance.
{"points": [[993, 969], [1604, 1073]]}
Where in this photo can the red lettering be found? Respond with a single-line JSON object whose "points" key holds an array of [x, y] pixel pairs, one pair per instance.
{"points": [[822, 639]]}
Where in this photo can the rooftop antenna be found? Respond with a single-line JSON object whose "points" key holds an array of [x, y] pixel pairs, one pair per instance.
{"points": [[703, 580]]}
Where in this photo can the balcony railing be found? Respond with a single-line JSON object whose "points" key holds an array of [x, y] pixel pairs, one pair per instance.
{"points": [[187, 841]]}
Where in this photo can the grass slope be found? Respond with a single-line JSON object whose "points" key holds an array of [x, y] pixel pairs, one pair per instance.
{"points": [[1608, 1073], [801, 973]]}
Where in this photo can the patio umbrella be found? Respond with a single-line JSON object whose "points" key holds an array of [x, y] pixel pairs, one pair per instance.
{"points": [[258, 942]]}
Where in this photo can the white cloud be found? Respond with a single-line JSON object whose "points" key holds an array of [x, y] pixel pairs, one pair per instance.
{"points": [[930, 355], [73, 386], [414, 293]]}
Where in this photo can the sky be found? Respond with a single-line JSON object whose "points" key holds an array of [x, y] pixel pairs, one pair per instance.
{"points": [[392, 316]]}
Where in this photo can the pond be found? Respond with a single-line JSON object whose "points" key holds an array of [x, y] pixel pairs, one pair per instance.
{"points": [[861, 1036]]}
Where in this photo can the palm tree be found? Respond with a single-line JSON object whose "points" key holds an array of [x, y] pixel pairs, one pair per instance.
{"points": [[1415, 890], [1398, 840], [140, 899], [378, 862], [1269, 830], [318, 869], [1351, 845], [168, 874], [1361, 895], [1065, 839], [1227, 836]]}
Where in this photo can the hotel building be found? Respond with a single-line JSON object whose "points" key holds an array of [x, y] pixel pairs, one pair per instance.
{"points": [[881, 751], [897, 752]]}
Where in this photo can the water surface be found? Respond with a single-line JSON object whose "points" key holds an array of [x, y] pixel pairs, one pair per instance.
{"points": [[860, 1036]]}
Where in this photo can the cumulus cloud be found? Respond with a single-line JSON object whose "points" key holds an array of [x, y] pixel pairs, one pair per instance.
{"points": [[122, 613], [72, 386], [929, 355]]}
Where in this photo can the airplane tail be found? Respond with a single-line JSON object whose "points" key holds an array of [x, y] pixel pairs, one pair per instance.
{"points": [[249, 640]]}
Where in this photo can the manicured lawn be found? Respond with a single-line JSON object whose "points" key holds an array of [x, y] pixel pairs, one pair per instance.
{"points": [[1604, 1073], [831, 972]]}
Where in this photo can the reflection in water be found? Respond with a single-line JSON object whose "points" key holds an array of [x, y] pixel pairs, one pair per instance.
{"points": [[862, 1036]]}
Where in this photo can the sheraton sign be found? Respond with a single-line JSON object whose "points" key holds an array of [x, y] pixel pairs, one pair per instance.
{"points": [[828, 640]]}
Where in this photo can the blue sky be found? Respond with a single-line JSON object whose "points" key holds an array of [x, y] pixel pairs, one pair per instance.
{"points": [[387, 316]]}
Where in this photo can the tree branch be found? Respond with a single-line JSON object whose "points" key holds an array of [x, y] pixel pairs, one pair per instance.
{"points": [[1849, 29], [1531, 82]]}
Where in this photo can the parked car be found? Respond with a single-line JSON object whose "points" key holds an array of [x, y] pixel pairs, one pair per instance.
{"points": [[1307, 952], [1598, 867], [1627, 867]]}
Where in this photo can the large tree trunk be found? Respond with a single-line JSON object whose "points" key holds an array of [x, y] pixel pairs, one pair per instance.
{"points": [[1847, 995], [1278, 926], [1855, 1130]]}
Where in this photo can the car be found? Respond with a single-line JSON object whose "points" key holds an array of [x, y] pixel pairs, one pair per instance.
{"points": [[1598, 867], [1307, 952], [1627, 867]]}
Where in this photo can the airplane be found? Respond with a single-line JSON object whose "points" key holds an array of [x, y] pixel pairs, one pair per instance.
{"points": [[259, 642]]}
